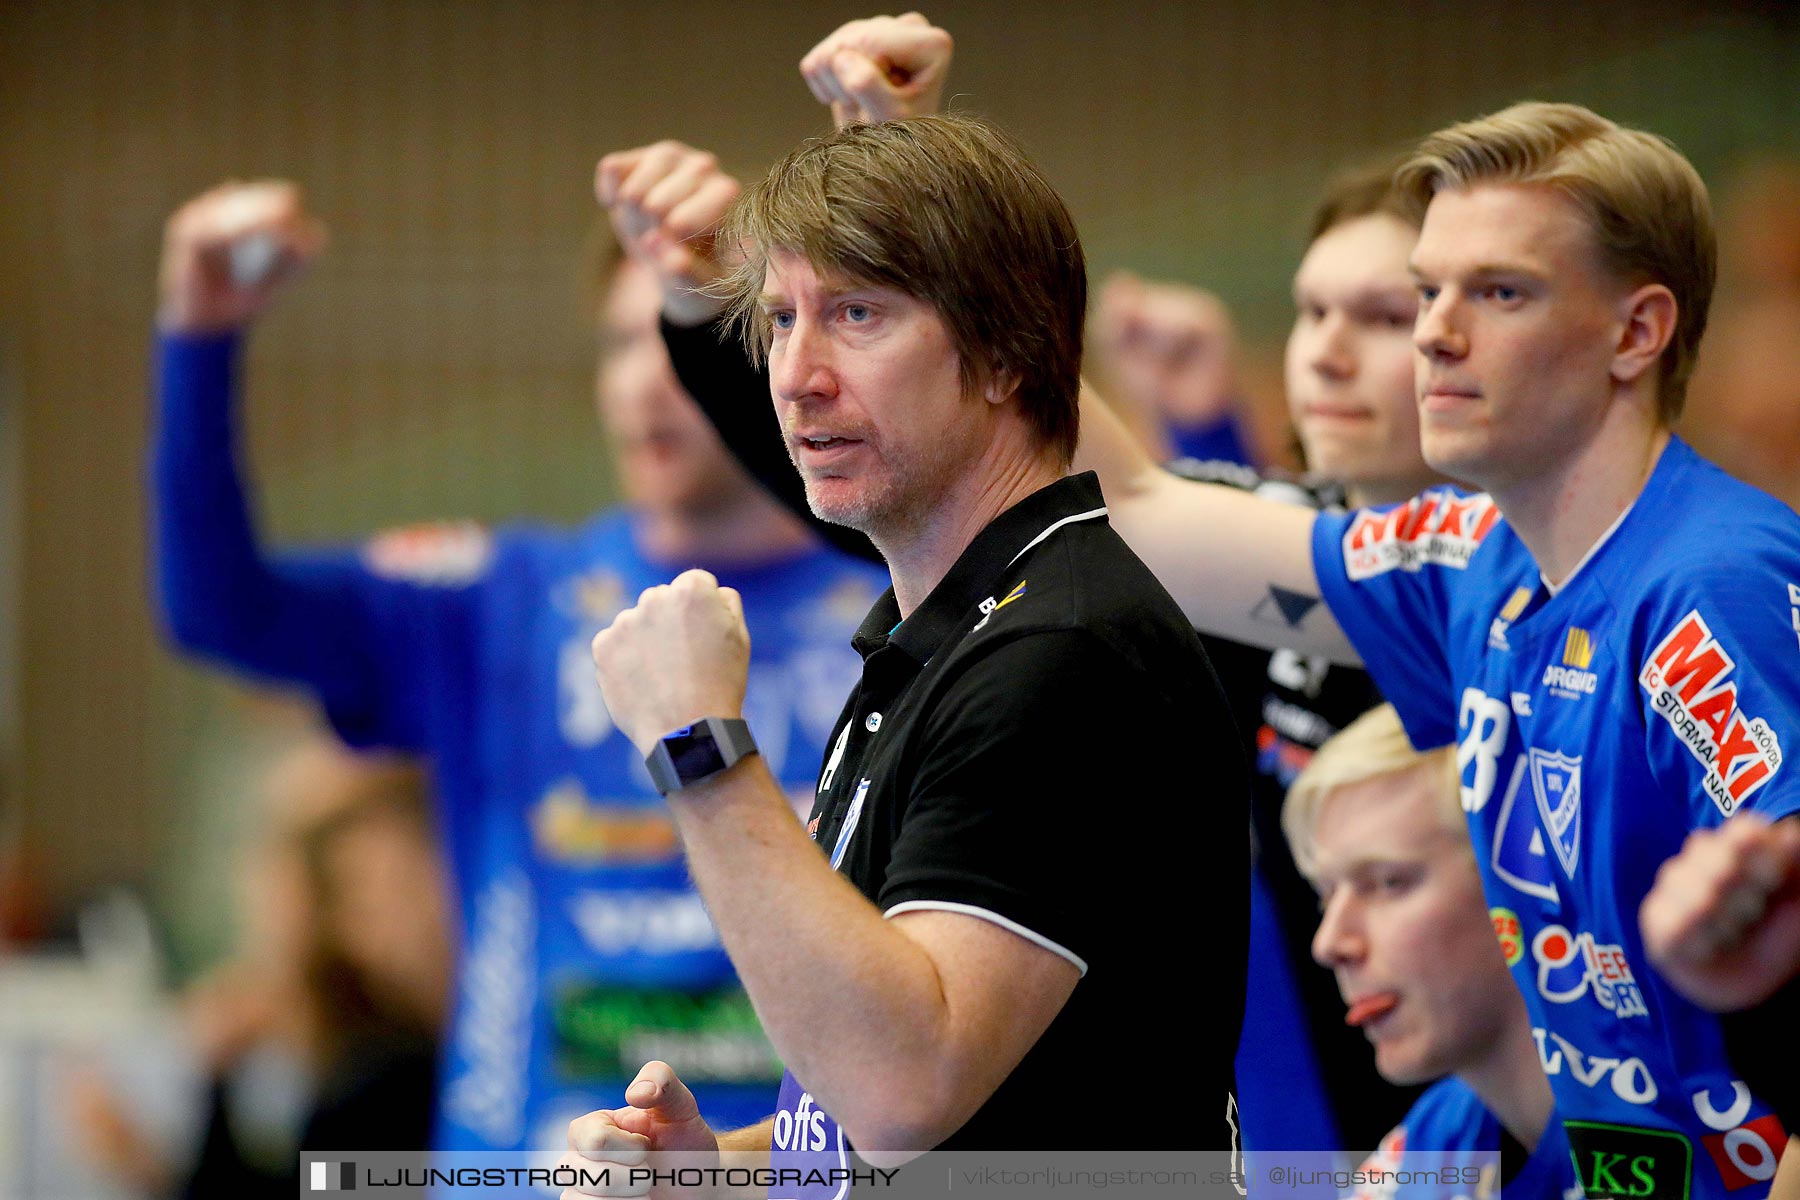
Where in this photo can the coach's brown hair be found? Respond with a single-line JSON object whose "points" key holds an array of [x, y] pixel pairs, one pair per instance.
{"points": [[1647, 206], [946, 209]]}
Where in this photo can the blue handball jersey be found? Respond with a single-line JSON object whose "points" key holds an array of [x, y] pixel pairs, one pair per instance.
{"points": [[1437, 1137], [1653, 693], [585, 948]]}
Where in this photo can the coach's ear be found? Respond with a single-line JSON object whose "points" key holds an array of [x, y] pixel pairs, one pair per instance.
{"points": [[1647, 326]]}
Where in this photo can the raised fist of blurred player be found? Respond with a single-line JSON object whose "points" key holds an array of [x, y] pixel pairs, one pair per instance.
{"points": [[228, 251], [665, 201], [880, 69]]}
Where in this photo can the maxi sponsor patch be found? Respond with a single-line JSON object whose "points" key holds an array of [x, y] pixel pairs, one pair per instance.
{"points": [[1433, 528], [1688, 679]]}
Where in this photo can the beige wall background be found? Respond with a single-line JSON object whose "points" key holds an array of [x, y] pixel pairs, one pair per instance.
{"points": [[436, 362]]}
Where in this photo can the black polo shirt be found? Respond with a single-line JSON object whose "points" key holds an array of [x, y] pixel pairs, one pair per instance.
{"points": [[1042, 744]]}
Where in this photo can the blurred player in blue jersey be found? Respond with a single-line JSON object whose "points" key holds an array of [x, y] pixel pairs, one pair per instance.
{"points": [[585, 948], [1605, 633], [1378, 828]]}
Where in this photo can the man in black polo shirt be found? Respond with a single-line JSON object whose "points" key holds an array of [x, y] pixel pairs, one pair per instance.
{"points": [[1034, 811]]}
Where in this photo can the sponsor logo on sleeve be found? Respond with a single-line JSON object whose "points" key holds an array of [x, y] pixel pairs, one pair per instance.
{"points": [[1510, 933], [1687, 679], [444, 554], [1556, 782], [1622, 1162], [1573, 965], [1437, 528], [1745, 1151], [1627, 1078], [1570, 679]]}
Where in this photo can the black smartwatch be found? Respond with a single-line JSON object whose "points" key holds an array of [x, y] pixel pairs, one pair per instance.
{"points": [[698, 752]]}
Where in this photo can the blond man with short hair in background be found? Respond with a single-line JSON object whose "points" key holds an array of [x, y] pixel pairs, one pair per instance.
{"points": [[1378, 828]]}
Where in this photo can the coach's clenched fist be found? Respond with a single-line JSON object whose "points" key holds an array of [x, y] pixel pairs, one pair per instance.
{"points": [[680, 656]]}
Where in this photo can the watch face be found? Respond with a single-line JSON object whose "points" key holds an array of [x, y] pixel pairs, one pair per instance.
{"points": [[693, 752]]}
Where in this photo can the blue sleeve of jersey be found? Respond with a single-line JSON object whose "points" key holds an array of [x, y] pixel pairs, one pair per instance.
{"points": [[1390, 591], [1717, 656], [371, 649]]}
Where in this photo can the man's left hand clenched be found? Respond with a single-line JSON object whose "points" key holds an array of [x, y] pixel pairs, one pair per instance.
{"points": [[681, 655]]}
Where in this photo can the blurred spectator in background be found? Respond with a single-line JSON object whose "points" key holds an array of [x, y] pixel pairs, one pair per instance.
{"points": [[338, 990], [1745, 410], [586, 948], [1168, 354]]}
